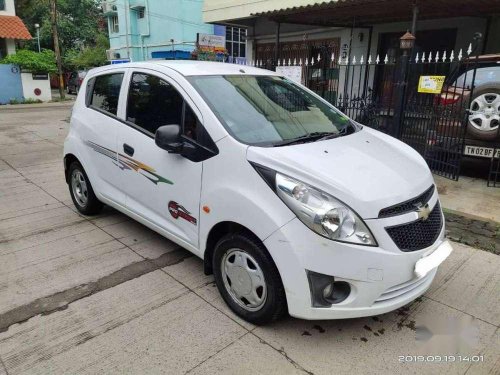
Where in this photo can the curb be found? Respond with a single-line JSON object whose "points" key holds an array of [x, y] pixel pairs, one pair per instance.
{"points": [[473, 231], [16, 107]]}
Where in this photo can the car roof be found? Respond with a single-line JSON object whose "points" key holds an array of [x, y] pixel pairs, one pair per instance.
{"points": [[192, 67]]}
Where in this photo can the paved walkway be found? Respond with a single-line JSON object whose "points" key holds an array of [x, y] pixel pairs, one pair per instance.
{"points": [[107, 295], [471, 196]]}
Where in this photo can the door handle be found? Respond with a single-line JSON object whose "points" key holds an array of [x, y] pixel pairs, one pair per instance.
{"points": [[129, 150]]}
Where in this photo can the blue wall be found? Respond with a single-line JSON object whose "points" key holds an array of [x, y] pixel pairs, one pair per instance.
{"points": [[10, 83], [163, 20]]}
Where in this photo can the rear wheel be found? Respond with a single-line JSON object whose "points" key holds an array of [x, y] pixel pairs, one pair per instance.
{"points": [[484, 117], [81, 191], [248, 279]]}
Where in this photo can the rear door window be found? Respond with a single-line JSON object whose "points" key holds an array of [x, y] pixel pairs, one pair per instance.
{"points": [[483, 75], [106, 92]]}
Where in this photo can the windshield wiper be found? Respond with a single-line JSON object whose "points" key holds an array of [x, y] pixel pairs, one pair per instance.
{"points": [[304, 138], [334, 135]]}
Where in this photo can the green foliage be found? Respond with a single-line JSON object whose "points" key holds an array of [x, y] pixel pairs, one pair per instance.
{"points": [[88, 57], [25, 101], [43, 62], [80, 22]]}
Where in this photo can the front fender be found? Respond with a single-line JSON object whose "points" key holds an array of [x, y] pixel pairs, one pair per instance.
{"points": [[234, 191]]}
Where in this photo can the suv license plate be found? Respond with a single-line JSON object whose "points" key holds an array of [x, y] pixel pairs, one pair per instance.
{"points": [[482, 152]]}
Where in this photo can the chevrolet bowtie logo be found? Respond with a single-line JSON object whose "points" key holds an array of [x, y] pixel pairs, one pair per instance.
{"points": [[423, 211]]}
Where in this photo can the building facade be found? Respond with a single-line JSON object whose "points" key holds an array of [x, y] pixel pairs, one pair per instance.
{"points": [[17, 85], [146, 29], [358, 27], [12, 28]]}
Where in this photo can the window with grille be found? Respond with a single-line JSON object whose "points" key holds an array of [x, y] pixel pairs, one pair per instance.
{"points": [[236, 41], [113, 24]]}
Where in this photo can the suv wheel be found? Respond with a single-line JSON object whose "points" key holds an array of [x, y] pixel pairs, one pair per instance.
{"points": [[248, 279], [81, 191], [484, 117]]}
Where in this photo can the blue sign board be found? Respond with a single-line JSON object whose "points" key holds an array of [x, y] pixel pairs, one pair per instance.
{"points": [[120, 61]]}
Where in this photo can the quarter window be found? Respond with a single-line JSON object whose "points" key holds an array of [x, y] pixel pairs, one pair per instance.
{"points": [[153, 102], [106, 92]]}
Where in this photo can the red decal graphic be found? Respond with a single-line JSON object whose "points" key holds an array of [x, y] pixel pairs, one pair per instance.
{"points": [[176, 210]]}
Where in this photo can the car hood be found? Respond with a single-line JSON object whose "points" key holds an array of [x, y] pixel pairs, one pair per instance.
{"points": [[367, 170]]}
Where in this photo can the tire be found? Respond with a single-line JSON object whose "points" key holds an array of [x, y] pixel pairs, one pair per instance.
{"points": [[243, 249], [81, 191], [484, 123]]}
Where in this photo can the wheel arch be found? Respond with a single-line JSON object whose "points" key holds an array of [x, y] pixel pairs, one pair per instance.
{"points": [[68, 159], [218, 231]]}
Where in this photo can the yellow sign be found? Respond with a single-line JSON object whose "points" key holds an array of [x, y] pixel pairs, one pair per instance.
{"points": [[430, 84]]}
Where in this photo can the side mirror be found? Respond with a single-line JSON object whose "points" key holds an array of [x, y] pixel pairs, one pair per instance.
{"points": [[168, 137]]}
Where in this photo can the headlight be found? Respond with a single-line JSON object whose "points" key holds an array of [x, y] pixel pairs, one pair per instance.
{"points": [[323, 213]]}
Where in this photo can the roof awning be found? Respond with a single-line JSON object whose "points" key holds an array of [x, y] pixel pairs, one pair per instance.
{"points": [[12, 27], [370, 12]]}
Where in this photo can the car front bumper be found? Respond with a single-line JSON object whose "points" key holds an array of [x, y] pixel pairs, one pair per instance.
{"points": [[382, 279]]}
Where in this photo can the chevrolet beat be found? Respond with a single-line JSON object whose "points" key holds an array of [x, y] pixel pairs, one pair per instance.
{"points": [[294, 207]]}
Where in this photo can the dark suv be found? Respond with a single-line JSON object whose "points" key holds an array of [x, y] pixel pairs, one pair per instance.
{"points": [[484, 109]]}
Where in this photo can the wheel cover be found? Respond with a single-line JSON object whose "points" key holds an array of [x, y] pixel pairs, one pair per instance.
{"points": [[244, 279], [79, 188], [485, 112]]}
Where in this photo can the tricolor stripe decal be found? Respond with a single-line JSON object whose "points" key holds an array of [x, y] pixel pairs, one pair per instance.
{"points": [[126, 162]]}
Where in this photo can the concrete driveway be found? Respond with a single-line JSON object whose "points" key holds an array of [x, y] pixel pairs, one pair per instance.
{"points": [[107, 295]]}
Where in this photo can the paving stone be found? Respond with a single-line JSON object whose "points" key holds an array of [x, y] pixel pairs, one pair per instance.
{"points": [[41, 339], [154, 247], [125, 330], [130, 232], [69, 269], [401, 340], [474, 288], [40, 238], [452, 265], [190, 273], [36, 223], [248, 355]]}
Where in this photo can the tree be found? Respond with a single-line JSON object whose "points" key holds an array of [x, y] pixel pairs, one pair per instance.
{"points": [[88, 57], [79, 22]]}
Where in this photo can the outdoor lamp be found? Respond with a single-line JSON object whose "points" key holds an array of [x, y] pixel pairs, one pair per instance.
{"points": [[407, 41], [37, 27]]}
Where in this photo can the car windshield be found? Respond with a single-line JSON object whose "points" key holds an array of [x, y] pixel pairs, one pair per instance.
{"points": [[270, 110]]}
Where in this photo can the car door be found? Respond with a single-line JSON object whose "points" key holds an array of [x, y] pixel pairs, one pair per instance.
{"points": [[98, 128], [164, 188]]}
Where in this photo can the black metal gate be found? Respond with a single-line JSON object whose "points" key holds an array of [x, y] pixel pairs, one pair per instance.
{"points": [[426, 100], [423, 100], [494, 173]]}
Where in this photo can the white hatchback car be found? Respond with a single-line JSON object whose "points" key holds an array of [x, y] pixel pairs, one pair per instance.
{"points": [[292, 205]]}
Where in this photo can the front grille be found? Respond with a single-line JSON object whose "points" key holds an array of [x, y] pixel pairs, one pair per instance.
{"points": [[419, 234], [408, 206]]}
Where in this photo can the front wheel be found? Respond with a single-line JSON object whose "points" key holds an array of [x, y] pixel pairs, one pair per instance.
{"points": [[81, 191], [248, 279]]}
